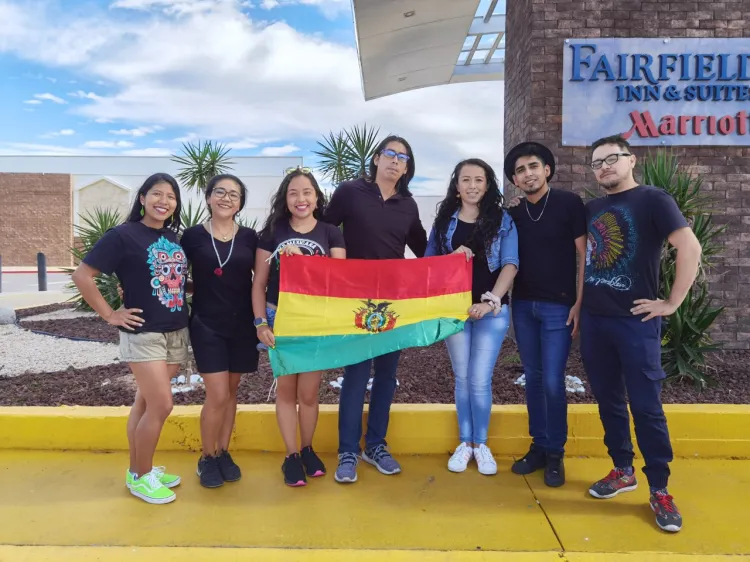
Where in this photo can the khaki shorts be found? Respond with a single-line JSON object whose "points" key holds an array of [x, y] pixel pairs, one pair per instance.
{"points": [[171, 347]]}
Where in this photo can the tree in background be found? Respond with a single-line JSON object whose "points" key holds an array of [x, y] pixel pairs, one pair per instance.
{"points": [[345, 155], [201, 162]]}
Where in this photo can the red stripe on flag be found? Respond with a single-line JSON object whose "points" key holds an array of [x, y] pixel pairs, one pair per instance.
{"points": [[375, 279]]}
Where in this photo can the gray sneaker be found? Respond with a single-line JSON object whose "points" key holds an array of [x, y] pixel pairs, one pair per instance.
{"points": [[381, 459], [346, 472]]}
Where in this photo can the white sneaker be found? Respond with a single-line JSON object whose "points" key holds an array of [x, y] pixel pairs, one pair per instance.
{"points": [[485, 460], [460, 458]]}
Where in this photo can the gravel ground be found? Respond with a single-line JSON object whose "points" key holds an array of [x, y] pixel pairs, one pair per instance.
{"points": [[24, 352], [424, 374]]}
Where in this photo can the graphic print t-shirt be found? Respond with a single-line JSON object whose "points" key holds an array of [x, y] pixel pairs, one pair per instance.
{"points": [[317, 242], [626, 234], [152, 269]]}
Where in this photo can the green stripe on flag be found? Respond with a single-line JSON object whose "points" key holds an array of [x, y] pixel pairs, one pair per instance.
{"points": [[309, 353]]}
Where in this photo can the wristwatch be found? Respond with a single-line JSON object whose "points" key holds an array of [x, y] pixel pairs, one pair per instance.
{"points": [[258, 322]]}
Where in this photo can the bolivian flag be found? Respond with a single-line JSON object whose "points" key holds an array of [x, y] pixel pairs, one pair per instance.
{"points": [[333, 313]]}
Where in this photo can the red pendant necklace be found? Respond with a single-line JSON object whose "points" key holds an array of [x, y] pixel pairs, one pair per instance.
{"points": [[219, 271]]}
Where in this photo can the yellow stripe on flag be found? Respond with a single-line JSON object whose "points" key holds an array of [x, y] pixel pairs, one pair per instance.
{"points": [[333, 316]]}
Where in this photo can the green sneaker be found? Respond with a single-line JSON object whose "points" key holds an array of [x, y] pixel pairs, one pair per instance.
{"points": [[151, 490], [167, 480]]}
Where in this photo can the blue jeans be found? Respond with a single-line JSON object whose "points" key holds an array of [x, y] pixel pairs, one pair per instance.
{"points": [[352, 402], [544, 344], [473, 354]]}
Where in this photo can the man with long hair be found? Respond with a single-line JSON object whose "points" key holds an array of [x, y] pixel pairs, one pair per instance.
{"points": [[380, 218]]}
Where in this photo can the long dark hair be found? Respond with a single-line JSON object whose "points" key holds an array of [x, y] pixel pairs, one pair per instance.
{"points": [[216, 179], [280, 210], [490, 210], [402, 186], [135, 212]]}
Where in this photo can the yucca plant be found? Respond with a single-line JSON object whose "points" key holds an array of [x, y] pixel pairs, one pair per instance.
{"points": [[201, 162], [192, 215], [686, 339], [93, 226], [345, 155]]}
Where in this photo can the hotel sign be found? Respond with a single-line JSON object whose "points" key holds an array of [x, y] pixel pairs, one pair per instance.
{"points": [[657, 91]]}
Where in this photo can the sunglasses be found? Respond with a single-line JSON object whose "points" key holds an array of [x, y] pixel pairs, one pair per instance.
{"points": [[302, 169], [390, 153]]}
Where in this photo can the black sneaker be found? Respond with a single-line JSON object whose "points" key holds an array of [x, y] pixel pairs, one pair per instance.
{"points": [[668, 517], [294, 472], [209, 473], [554, 472], [230, 472], [534, 460], [313, 465]]}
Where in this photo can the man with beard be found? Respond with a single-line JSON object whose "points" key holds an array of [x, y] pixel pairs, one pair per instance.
{"points": [[546, 300], [621, 319]]}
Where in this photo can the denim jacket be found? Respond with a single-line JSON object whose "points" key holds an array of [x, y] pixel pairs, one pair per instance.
{"points": [[504, 248]]}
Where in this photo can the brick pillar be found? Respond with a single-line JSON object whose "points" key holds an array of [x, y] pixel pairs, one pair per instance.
{"points": [[535, 34], [36, 215]]}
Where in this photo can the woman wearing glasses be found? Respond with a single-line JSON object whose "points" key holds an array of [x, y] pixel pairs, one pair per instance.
{"points": [[222, 257], [293, 228]]}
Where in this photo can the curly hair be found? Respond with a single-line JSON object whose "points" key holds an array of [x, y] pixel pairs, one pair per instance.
{"points": [[279, 208], [490, 210]]}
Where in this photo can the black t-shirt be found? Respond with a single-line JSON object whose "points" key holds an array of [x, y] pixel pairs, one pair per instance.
{"points": [[546, 246], [152, 269], [626, 234], [317, 242], [482, 279], [224, 302]]}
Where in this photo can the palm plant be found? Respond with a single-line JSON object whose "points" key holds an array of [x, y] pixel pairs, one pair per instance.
{"points": [[201, 162], [191, 216], [93, 226], [345, 155], [686, 340]]}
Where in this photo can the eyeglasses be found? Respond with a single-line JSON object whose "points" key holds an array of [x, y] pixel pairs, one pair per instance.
{"points": [[611, 159], [302, 169], [221, 193], [390, 153]]}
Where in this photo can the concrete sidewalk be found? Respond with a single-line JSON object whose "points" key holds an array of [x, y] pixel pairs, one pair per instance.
{"points": [[31, 299], [56, 505]]}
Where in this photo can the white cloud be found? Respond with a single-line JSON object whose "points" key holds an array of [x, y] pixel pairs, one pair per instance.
{"points": [[103, 120], [148, 152], [240, 144], [32, 102], [108, 144], [139, 132], [170, 7], [330, 8], [84, 95], [285, 150], [17, 148], [257, 83], [50, 97], [62, 133]]}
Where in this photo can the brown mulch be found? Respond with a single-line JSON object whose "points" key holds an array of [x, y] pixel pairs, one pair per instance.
{"points": [[33, 311], [424, 375], [86, 328]]}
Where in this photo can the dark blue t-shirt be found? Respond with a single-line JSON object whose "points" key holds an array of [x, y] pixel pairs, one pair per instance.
{"points": [[626, 234], [152, 269]]}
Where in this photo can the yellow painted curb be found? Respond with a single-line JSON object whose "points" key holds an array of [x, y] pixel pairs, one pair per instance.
{"points": [[702, 431]]}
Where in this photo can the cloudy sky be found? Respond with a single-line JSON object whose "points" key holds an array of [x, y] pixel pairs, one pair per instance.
{"points": [[266, 77]]}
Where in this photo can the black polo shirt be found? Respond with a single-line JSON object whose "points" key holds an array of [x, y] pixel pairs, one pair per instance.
{"points": [[375, 229]]}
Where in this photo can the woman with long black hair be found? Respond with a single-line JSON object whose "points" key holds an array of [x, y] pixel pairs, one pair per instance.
{"points": [[222, 258], [471, 220], [293, 227], [152, 269]]}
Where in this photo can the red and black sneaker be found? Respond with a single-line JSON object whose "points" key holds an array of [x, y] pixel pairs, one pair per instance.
{"points": [[616, 482], [668, 517]]}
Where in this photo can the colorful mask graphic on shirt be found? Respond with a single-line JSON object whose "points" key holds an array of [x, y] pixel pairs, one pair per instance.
{"points": [[168, 267], [610, 249]]}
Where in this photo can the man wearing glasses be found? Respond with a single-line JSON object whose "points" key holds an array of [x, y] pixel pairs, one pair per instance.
{"points": [[621, 319], [380, 218]]}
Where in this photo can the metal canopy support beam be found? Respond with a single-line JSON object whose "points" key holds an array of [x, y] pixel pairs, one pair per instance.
{"points": [[496, 24]]}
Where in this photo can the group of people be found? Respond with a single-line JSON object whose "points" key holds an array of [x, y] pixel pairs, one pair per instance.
{"points": [[554, 265]]}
